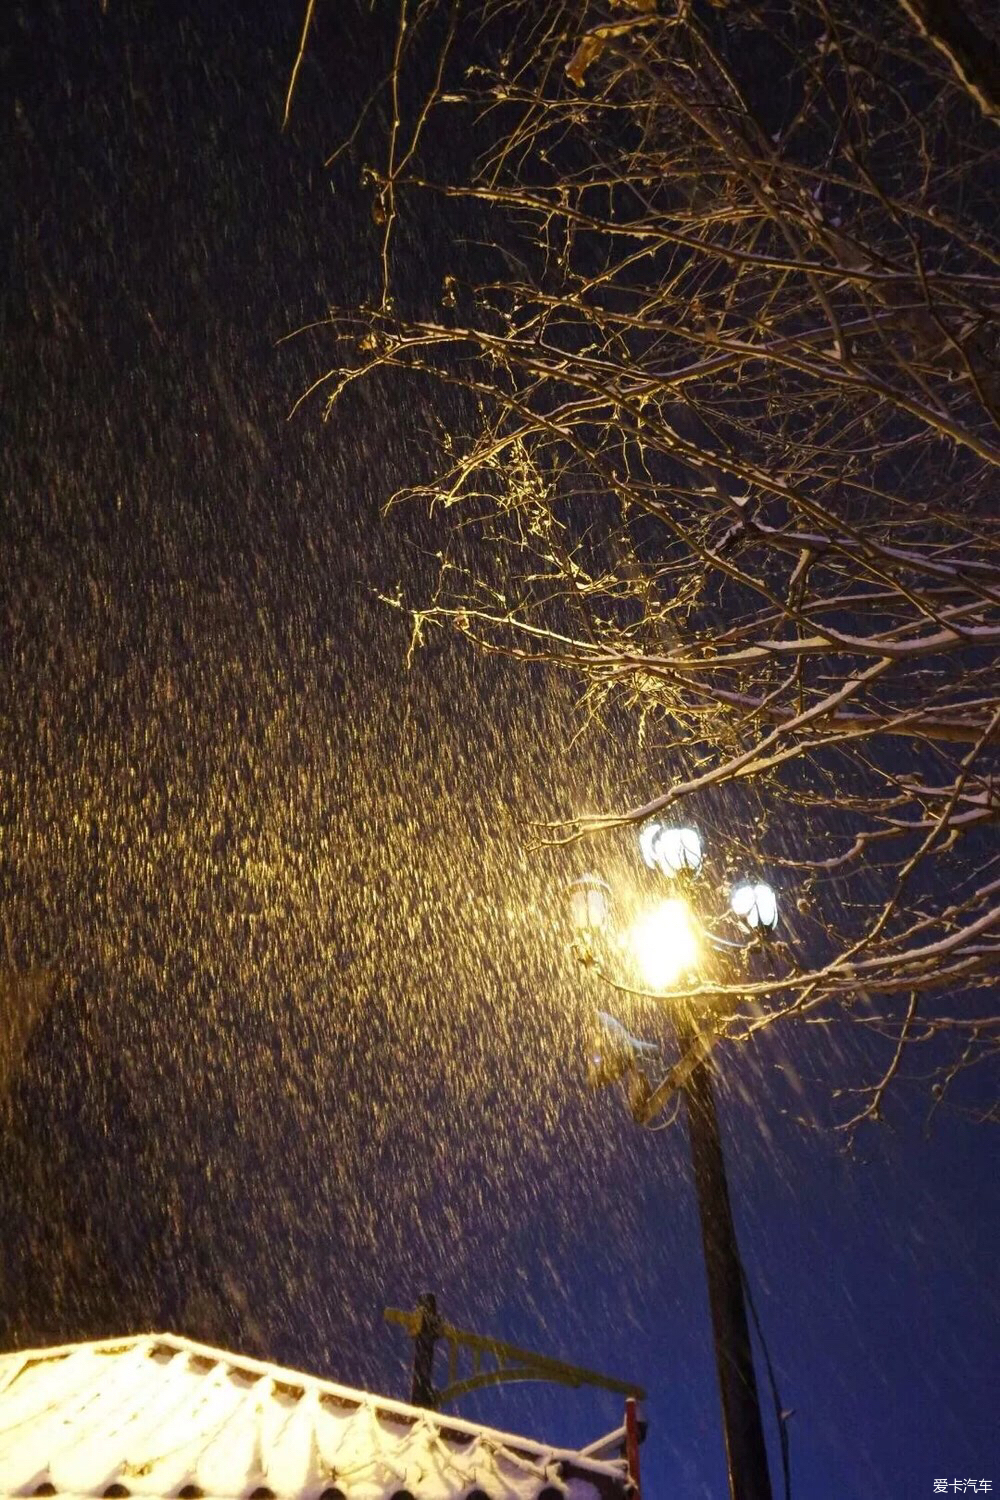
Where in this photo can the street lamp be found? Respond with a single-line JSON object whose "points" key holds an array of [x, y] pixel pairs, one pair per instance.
{"points": [[756, 906], [668, 944], [664, 942], [674, 851], [590, 905]]}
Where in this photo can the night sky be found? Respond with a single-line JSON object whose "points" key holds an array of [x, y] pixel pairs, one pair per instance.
{"points": [[314, 1045]]}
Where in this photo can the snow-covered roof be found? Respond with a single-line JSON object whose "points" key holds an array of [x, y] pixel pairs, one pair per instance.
{"points": [[158, 1416]]}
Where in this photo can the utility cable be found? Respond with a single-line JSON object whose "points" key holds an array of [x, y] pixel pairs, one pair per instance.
{"points": [[779, 1411]]}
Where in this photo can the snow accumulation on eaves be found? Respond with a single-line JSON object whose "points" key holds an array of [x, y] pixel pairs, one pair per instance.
{"points": [[159, 1416]]}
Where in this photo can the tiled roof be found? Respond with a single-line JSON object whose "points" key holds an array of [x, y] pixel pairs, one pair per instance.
{"points": [[158, 1416]]}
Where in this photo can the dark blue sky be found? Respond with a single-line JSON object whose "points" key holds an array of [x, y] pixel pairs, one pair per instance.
{"points": [[315, 1048]]}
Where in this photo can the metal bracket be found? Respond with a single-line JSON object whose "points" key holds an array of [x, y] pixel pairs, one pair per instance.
{"points": [[496, 1363], [644, 1109]]}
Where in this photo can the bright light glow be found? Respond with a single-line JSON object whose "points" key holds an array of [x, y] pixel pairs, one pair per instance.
{"points": [[671, 850], [664, 942], [756, 906], [590, 904]]}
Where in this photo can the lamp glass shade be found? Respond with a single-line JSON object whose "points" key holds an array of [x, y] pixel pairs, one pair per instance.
{"points": [[674, 851], [756, 905], [590, 904]]}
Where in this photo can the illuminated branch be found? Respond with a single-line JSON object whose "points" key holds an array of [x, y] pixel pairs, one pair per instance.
{"points": [[732, 382]]}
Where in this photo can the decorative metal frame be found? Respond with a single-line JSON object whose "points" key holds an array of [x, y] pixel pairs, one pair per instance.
{"points": [[510, 1363]]}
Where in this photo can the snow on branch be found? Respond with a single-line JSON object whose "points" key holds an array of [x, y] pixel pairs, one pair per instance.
{"points": [[722, 327]]}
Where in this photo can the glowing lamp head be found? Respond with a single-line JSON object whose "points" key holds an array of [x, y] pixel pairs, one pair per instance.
{"points": [[756, 906], [590, 905], [664, 943], [673, 851]]}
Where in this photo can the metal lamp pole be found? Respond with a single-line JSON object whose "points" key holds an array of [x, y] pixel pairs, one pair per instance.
{"points": [[678, 852], [746, 1451]]}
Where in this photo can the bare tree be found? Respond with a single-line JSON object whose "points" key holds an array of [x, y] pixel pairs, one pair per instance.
{"points": [[731, 460]]}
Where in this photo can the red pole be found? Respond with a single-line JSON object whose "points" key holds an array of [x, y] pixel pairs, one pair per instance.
{"points": [[632, 1444]]}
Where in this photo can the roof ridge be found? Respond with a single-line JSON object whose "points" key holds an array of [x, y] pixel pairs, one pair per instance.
{"points": [[285, 1375]]}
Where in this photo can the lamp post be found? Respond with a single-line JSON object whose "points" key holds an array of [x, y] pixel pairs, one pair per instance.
{"points": [[666, 943]]}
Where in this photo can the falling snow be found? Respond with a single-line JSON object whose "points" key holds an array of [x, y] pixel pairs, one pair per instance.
{"points": [[313, 1041]]}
